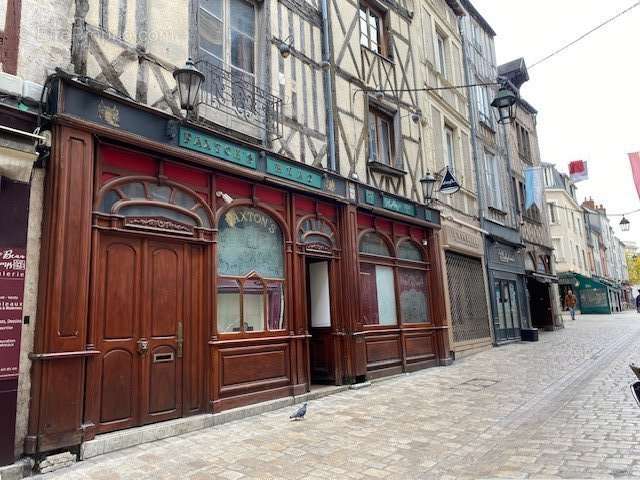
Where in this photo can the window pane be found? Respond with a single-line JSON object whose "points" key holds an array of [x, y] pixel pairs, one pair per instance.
{"points": [[228, 305], [385, 141], [409, 251], [242, 51], [253, 305], [374, 244], [211, 33], [249, 240], [159, 192], [386, 295], [133, 190], [514, 305], [214, 7], [363, 29], [242, 17], [413, 296], [242, 90], [108, 200], [184, 200], [368, 294], [275, 305], [373, 138], [502, 324]]}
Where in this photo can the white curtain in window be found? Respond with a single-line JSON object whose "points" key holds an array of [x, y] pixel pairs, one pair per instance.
{"points": [[386, 295]]}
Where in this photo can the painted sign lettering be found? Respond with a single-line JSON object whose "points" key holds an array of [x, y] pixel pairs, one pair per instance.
{"points": [[396, 205], [294, 173], [216, 147], [12, 270]]}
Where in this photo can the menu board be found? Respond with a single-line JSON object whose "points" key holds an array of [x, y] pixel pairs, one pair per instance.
{"points": [[12, 269]]}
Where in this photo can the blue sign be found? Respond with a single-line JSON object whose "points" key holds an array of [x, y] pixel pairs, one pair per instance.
{"points": [[216, 147], [399, 206], [449, 183], [294, 173]]}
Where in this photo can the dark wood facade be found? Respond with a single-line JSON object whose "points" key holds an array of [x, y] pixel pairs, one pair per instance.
{"points": [[128, 332]]}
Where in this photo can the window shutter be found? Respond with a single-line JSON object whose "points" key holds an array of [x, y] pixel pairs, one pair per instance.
{"points": [[456, 61], [467, 167], [438, 138], [427, 32]]}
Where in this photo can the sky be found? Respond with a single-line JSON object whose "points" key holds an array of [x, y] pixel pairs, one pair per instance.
{"points": [[588, 97]]}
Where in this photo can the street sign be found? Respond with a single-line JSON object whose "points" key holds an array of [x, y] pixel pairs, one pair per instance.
{"points": [[449, 183]]}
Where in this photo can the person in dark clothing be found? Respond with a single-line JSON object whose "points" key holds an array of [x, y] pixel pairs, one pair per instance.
{"points": [[638, 302]]}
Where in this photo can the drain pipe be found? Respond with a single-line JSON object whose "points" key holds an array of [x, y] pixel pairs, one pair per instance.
{"points": [[328, 86]]}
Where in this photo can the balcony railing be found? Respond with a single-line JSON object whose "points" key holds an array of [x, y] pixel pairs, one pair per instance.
{"points": [[232, 93]]}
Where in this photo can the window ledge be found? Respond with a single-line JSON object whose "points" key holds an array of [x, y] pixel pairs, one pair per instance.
{"points": [[497, 211], [386, 169], [389, 60]]}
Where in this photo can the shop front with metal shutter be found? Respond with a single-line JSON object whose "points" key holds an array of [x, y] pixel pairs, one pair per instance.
{"points": [[468, 299]]}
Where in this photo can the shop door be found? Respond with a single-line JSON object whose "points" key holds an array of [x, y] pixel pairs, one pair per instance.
{"points": [[140, 318], [540, 304], [321, 348], [508, 322]]}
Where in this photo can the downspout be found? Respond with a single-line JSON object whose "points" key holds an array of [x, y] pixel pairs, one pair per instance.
{"points": [[328, 86]]}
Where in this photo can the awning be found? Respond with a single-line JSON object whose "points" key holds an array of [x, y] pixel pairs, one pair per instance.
{"points": [[544, 277], [16, 164]]}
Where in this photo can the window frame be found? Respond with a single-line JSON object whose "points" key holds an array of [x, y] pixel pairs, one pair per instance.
{"points": [[379, 115], [449, 132], [397, 264], [382, 44], [253, 276], [441, 53]]}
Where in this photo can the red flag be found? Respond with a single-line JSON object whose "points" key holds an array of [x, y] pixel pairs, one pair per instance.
{"points": [[634, 158], [578, 170]]}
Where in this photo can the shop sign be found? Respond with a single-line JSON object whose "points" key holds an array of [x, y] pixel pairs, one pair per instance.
{"points": [[12, 270], [463, 239], [297, 174], [216, 147], [396, 205], [370, 197], [505, 256]]}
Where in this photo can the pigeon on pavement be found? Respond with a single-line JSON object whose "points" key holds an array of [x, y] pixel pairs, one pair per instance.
{"points": [[299, 415]]}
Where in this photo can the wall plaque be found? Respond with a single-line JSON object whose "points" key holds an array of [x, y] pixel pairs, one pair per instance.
{"points": [[463, 238], [216, 147], [12, 269], [295, 173], [399, 206]]}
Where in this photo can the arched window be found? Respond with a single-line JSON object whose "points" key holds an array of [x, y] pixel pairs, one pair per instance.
{"points": [[392, 289], [145, 203], [317, 234], [250, 272]]}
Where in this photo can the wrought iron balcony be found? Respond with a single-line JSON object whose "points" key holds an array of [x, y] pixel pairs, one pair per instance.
{"points": [[233, 96]]}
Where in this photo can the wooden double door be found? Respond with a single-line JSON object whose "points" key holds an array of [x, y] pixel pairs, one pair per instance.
{"points": [[147, 316]]}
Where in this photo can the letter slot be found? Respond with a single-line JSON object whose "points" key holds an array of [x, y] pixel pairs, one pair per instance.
{"points": [[162, 357]]}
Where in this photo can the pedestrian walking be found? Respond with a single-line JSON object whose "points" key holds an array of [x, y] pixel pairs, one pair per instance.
{"points": [[638, 302], [570, 301]]}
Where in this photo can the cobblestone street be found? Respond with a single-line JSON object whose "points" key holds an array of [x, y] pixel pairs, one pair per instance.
{"points": [[559, 408]]}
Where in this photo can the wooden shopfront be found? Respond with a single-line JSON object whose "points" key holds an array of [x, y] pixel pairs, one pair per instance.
{"points": [[187, 272]]}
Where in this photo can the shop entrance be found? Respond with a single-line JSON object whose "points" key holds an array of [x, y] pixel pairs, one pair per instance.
{"points": [[321, 347], [509, 321], [143, 307], [540, 304]]}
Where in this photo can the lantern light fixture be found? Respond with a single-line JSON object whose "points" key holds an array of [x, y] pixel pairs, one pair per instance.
{"points": [[505, 102], [189, 80], [428, 183], [625, 224], [285, 47]]}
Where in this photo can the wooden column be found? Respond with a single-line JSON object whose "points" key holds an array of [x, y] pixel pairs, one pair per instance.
{"points": [[355, 354], [60, 349], [436, 279]]}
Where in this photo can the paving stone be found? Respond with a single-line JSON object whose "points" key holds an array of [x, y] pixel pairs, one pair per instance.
{"points": [[558, 408]]}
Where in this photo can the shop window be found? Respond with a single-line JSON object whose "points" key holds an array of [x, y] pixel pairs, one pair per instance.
{"points": [[409, 251], [250, 272], [373, 244], [412, 287], [378, 297]]}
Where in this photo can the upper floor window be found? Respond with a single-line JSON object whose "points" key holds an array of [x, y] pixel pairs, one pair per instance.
{"points": [[381, 137], [441, 46], [372, 29], [524, 145], [449, 144], [553, 215], [227, 36]]}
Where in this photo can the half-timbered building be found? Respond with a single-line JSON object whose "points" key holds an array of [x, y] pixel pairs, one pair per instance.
{"points": [[272, 239]]}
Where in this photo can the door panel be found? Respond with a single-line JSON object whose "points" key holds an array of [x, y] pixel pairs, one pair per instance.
{"points": [[321, 343], [164, 301], [117, 291], [145, 298]]}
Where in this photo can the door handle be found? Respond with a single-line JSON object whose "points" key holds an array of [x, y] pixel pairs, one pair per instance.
{"points": [[143, 346], [180, 340]]}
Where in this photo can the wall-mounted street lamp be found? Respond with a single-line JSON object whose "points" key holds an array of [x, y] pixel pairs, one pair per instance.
{"points": [[625, 224], [428, 183], [505, 104], [189, 80]]}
